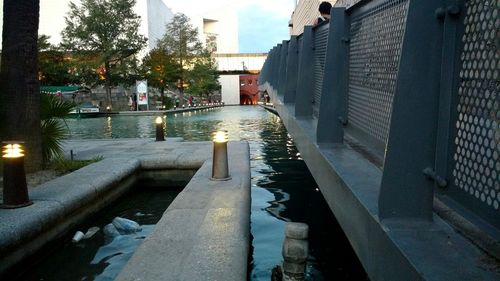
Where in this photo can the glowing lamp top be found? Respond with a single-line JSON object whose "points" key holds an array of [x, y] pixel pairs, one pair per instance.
{"points": [[12, 150], [221, 136]]}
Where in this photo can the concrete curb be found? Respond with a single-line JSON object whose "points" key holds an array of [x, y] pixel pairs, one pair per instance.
{"points": [[205, 232], [64, 202]]}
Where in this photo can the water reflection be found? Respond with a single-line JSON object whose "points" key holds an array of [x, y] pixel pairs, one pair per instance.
{"points": [[282, 187]]}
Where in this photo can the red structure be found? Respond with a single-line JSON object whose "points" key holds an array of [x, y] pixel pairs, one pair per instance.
{"points": [[249, 91]]}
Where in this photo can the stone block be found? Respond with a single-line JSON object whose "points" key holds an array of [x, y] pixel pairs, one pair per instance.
{"points": [[296, 230], [295, 250]]}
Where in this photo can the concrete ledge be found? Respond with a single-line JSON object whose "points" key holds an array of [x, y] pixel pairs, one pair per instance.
{"points": [[205, 232], [269, 108], [64, 202], [58, 205]]}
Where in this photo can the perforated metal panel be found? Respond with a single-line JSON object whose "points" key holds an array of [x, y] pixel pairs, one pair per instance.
{"points": [[376, 39], [320, 46], [476, 167]]}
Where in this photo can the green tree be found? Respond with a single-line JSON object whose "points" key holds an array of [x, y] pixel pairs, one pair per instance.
{"points": [[203, 77], [54, 66], [106, 29], [181, 43], [19, 85], [161, 70]]}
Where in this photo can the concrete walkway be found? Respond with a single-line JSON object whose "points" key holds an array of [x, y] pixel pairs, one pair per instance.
{"points": [[203, 235]]}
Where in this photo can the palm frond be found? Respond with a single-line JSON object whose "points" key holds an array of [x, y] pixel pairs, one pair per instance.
{"points": [[54, 107], [52, 133]]}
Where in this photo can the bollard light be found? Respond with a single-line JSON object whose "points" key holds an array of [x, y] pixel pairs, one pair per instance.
{"points": [[108, 108], [15, 189], [220, 168], [160, 134]]}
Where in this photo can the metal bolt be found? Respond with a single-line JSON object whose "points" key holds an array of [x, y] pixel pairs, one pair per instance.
{"points": [[345, 40], [453, 10], [440, 13], [343, 121], [430, 173]]}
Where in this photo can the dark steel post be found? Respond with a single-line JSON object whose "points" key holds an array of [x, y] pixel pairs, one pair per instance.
{"points": [[292, 69], [333, 108], [305, 86], [406, 192], [283, 69], [276, 67]]}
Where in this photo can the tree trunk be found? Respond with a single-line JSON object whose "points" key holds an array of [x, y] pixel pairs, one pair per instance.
{"points": [[19, 85], [107, 85], [162, 95]]}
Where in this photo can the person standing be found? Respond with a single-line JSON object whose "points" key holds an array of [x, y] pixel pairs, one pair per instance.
{"points": [[324, 11], [130, 103]]}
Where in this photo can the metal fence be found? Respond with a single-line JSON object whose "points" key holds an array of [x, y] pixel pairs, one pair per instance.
{"points": [[416, 84]]}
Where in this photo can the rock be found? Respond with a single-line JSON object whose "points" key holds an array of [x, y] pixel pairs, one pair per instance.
{"points": [[110, 230], [77, 237], [91, 232], [276, 274], [126, 226]]}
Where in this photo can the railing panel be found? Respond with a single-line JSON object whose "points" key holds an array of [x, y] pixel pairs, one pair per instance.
{"points": [[299, 44], [320, 45], [375, 47], [475, 171]]}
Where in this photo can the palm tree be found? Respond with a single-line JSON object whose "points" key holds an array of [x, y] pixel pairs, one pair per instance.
{"points": [[53, 112], [19, 86]]}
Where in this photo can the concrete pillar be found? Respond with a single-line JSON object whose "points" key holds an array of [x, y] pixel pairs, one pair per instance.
{"points": [[295, 251]]}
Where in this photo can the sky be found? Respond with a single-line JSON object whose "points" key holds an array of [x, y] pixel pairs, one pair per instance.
{"points": [[262, 23]]}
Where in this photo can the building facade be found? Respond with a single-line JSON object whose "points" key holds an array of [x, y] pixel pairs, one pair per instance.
{"points": [[249, 89], [305, 13]]}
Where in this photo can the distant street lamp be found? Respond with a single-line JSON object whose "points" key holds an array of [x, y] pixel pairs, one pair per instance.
{"points": [[15, 189], [160, 134]]}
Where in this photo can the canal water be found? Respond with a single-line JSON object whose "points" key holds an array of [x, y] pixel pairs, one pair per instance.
{"points": [[102, 257], [282, 188]]}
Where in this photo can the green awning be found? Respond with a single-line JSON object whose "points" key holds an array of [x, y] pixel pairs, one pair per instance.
{"points": [[63, 89]]}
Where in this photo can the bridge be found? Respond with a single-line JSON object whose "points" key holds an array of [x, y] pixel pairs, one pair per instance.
{"points": [[238, 76], [394, 107]]}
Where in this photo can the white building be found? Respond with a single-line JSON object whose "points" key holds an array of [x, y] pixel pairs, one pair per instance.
{"points": [[218, 29], [154, 15]]}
